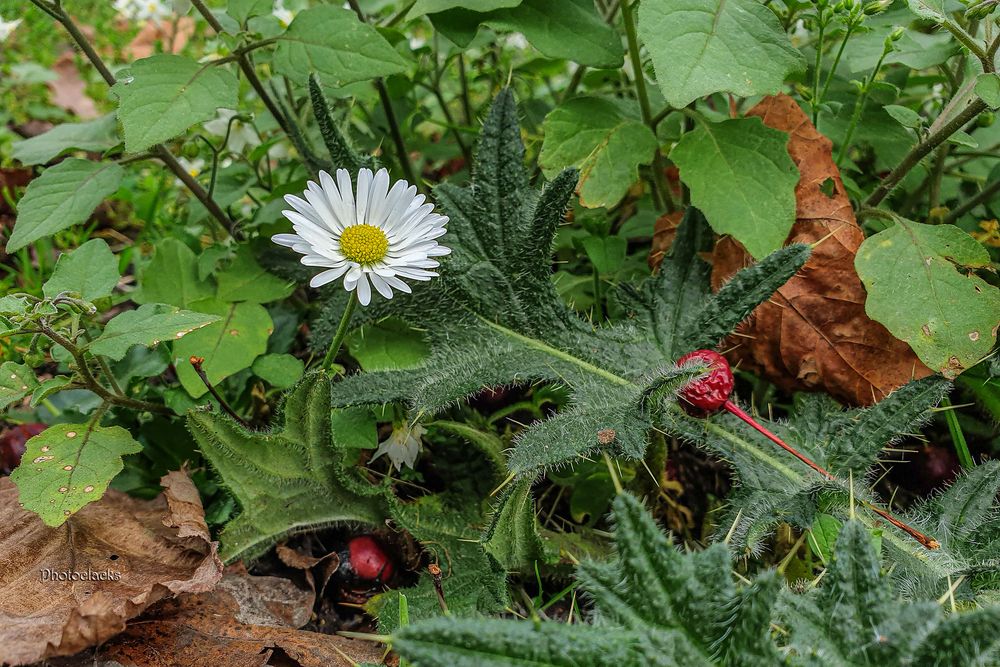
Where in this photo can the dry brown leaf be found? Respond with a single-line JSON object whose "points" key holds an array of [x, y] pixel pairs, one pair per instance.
{"points": [[69, 90], [173, 36], [664, 231], [229, 627], [814, 334], [124, 553]]}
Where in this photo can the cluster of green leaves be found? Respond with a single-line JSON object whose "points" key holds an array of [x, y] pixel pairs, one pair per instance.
{"points": [[654, 605], [70, 465]]}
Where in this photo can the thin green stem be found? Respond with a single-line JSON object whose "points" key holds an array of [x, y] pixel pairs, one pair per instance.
{"points": [[957, 436], [338, 338], [859, 107], [657, 180], [984, 195], [836, 63], [817, 70]]}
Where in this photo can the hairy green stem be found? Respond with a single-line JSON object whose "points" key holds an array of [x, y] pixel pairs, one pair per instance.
{"points": [[816, 69], [338, 337], [859, 107]]}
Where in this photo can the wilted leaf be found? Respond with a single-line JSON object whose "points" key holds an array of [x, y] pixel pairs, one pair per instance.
{"points": [[813, 334], [245, 621], [664, 233], [174, 36], [65, 589]]}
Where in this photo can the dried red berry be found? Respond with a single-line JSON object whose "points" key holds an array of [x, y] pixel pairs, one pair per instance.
{"points": [[710, 393], [369, 560], [12, 444]]}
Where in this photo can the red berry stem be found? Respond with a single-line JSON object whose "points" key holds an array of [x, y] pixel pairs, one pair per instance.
{"points": [[734, 409]]}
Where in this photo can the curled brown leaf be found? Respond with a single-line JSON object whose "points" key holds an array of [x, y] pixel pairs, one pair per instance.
{"points": [[813, 334], [65, 589]]}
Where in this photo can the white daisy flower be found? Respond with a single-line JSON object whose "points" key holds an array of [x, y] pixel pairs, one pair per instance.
{"points": [[402, 445], [7, 27], [372, 240]]}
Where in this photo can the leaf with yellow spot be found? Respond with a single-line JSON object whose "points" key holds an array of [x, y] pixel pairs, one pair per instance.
{"points": [[67, 466], [149, 325], [922, 287], [16, 382], [228, 345]]}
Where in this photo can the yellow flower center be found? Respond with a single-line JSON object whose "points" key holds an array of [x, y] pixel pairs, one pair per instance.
{"points": [[364, 244]]}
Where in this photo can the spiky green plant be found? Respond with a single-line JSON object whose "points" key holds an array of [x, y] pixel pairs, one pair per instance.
{"points": [[654, 605]]}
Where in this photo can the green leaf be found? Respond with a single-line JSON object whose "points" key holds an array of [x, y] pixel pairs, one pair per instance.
{"points": [[906, 116], [67, 466], [988, 89], [424, 7], [290, 478], [16, 382], [162, 96], [333, 43], [280, 370], [388, 345], [172, 277], [91, 271], [743, 179], [700, 47], [49, 387], [63, 196], [823, 535], [918, 288], [241, 10], [246, 280], [93, 135], [148, 325], [606, 253], [604, 141], [231, 343], [563, 29], [512, 536], [354, 428]]}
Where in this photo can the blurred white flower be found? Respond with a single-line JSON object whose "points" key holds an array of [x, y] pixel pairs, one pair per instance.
{"points": [[240, 136], [7, 27], [373, 240], [516, 40], [193, 167], [144, 10], [402, 445], [283, 15]]}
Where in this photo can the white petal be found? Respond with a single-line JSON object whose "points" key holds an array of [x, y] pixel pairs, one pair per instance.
{"points": [[361, 201], [346, 194], [380, 285], [287, 240], [393, 281], [327, 276], [375, 214], [364, 291]]}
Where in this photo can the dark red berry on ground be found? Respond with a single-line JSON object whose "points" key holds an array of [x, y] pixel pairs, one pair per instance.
{"points": [[12, 444], [369, 560], [709, 393]]}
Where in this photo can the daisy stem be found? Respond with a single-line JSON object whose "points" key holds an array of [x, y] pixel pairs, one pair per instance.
{"points": [[338, 338]]}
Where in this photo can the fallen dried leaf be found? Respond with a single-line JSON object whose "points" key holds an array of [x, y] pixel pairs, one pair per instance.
{"points": [[69, 90], [230, 627], [65, 589], [664, 231], [173, 36], [814, 334]]}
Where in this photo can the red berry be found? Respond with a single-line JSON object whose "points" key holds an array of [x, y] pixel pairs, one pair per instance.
{"points": [[369, 560], [12, 444], [707, 394]]}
